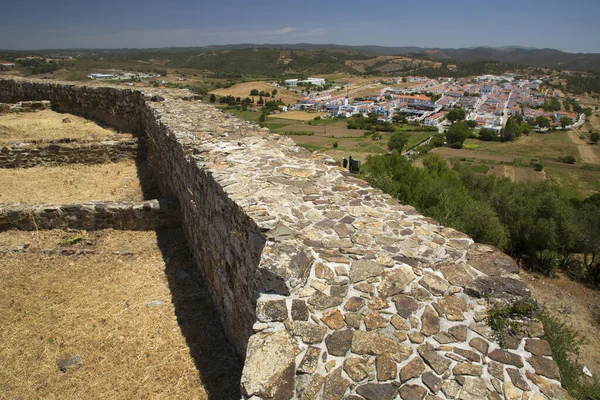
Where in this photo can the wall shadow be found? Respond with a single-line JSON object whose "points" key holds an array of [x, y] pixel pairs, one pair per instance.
{"points": [[219, 367], [148, 182]]}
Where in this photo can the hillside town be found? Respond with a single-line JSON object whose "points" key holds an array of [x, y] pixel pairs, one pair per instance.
{"points": [[488, 100]]}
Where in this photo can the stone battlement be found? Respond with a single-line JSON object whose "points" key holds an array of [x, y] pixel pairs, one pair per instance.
{"points": [[330, 288]]}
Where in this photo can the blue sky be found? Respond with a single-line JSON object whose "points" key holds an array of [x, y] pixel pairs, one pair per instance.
{"points": [[34, 24]]}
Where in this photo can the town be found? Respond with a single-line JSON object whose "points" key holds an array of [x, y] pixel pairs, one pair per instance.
{"points": [[488, 100]]}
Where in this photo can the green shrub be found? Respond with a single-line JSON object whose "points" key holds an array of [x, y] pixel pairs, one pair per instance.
{"points": [[456, 145]]}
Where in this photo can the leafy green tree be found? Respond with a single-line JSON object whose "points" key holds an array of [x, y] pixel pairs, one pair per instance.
{"points": [[488, 135], [274, 92], [542, 121], [213, 98], [458, 132], [397, 141], [260, 101], [565, 121], [511, 131], [254, 92], [595, 137], [456, 114]]}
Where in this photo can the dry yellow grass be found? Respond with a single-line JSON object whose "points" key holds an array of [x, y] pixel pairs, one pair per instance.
{"points": [[243, 90], [300, 115], [71, 183], [48, 125], [94, 306]]}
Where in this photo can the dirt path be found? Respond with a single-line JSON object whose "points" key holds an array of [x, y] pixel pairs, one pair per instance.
{"points": [[586, 152]]}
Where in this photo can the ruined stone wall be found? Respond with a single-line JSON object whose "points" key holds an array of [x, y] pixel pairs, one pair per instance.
{"points": [[28, 155], [329, 287], [92, 215]]}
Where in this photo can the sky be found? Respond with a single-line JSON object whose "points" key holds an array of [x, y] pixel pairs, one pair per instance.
{"points": [[35, 24]]}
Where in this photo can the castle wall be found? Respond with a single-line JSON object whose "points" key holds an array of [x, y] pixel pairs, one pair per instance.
{"points": [[330, 288]]}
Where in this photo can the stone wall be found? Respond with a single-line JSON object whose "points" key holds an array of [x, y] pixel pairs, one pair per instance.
{"points": [[329, 287], [93, 215], [27, 155]]}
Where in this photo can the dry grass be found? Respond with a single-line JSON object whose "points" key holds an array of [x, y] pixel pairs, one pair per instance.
{"points": [[300, 115], [517, 174], [94, 306], [71, 183], [48, 125], [243, 90]]}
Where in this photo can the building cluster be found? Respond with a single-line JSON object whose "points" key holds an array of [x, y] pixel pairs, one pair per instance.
{"points": [[309, 81], [489, 100]]}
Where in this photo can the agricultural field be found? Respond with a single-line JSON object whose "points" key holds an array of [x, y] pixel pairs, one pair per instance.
{"points": [[243, 90], [516, 160]]}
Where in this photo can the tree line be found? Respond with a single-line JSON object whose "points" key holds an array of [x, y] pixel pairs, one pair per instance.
{"points": [[532, 222]]}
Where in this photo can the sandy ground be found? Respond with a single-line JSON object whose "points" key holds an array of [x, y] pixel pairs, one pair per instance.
{"points": [[569, 301], [71, 183], [49, 125], [143, 322]]}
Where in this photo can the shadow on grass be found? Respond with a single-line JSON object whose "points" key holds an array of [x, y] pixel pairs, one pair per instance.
{"points": [[218, 365]]}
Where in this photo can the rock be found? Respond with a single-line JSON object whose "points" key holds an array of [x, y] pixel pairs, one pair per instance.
{"points": [[374, 320], [321, 301], [70, 363], [395, 281], [454, 308], [490, 260], [154, 303], [459, 332], [468, 354], [544, 366], [473, 389], [361, 270], [335, 385], [333, 319], [66, 120], [412, 392], [480, 344], [551, 390], [595, 310], [386, 368], [496, 369], [517, 379], [456, 274], [311, 392], [450, 388], [299, 310], [405, 305], [338, 343], [434, 284], [413, 369], [432, 381], [416, 337], [483, 329], [378, 391], [438, 363], [498, 287], [373, 343], [354, 304], [444, 338], [464, 368], [538, 347], [510, 392], [353, 319], [506, 357], [398, 323], [269, 310], [157, 98], [338, 290], [310, 361], [309, 332], [269, 370], [357, 368], [430, 322]]}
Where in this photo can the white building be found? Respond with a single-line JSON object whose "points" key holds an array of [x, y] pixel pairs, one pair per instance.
{"points": [[314, 81]]}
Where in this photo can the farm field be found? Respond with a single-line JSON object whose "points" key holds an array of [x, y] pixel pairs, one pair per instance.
{"points": [[243, 90], [515, 160]]}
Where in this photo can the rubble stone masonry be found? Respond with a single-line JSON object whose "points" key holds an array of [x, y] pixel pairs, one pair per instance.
{"points": [[330, 289]]}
